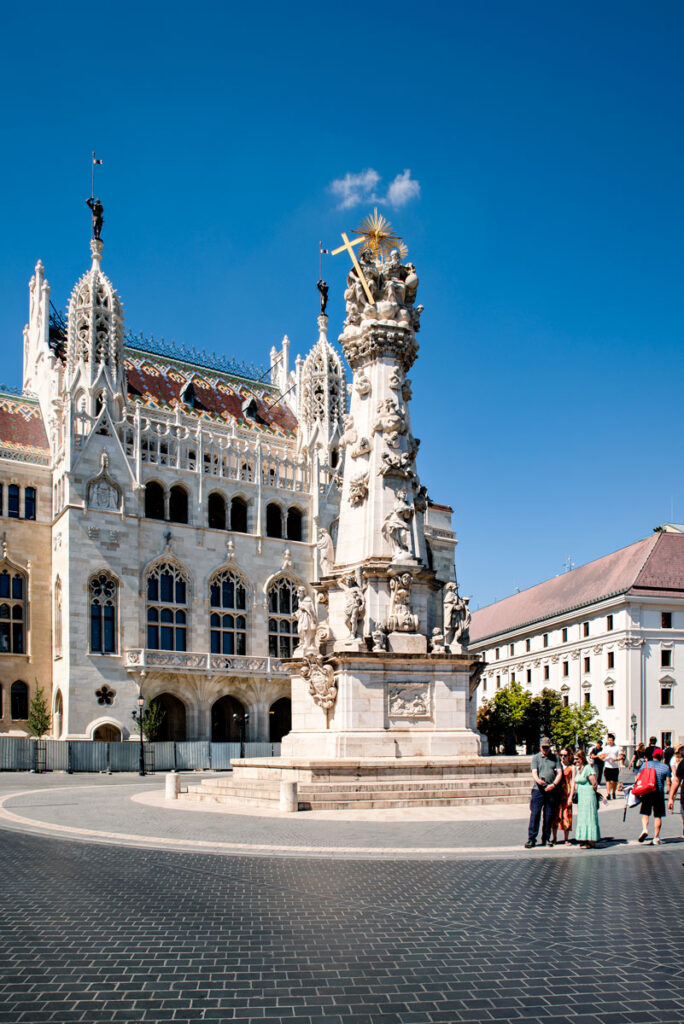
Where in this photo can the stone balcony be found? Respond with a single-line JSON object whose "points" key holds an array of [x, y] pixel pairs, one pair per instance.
{"points": [[139, 659]]}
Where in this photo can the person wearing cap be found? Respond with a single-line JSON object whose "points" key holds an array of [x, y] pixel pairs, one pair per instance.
{"points": [[546, 773], [654, 803]]}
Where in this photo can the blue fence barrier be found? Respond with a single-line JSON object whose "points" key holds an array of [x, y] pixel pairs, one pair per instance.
{"points": [[21, 754]]}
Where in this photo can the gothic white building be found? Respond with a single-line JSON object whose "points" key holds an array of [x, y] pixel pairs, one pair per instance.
{"points": [[609, 633], [159, 509]]}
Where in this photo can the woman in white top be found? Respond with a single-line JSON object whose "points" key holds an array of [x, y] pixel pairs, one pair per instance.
{"points": [[610, 755]]}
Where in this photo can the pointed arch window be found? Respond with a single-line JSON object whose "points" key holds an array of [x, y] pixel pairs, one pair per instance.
{"points": [[295, 520], [58, 618], [274, 520], [154, 500], [12, 612], [104, 593], [19, 701], [282, 625], [167, 599], [217, 511], [238, 515], [228, 620], [178, 504]]}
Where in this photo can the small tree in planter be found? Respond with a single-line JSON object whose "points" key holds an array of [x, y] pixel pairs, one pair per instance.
{"points": [[153, 719], [39, 719]]}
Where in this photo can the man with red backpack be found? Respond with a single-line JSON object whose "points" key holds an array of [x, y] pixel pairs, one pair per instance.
{"points": [[652, 783]]}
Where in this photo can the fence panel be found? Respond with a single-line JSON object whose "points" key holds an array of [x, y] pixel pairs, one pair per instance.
{"points": [[87, 756], [164, 758], [56, 756], [222, 754], [191, 756], [262, 750], [16, 754], [124, 757]]}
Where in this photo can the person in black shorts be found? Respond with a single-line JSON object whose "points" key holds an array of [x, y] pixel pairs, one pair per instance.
{"points": [[678, 784], [654, 803]]}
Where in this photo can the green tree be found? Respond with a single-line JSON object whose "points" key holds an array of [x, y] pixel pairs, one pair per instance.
{"points": [[152, 720], [39, 719], [502, 719], [579, 725], [542, 716]]}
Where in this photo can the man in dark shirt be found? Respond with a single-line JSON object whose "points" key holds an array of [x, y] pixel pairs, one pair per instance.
{"points": [[678, 784], [597, 760], [546, 773], [652, 744]]}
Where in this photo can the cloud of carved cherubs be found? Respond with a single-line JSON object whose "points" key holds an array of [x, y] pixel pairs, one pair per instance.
{"points": [[356, 189]]}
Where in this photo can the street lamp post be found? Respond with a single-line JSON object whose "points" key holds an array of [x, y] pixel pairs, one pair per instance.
{"points": [[242, 722], [634, 730], [137, 716]]}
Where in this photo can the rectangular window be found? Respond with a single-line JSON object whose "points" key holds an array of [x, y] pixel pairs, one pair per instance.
{"points": [[609, 623], [529, 675], [666, 620], [512, 677], [565, 635], [566, 668], [610, 698], [665, 739], [666, 658], [511, 649], [13, 501], [496, 654], [2, 491], [30, 503], [546, 671], [587, 698], [611, 659], [665, 697], [585, 629], [484, 685], [546, 639], [587, 664], [498, 682], [528, 644], [566, 700]]}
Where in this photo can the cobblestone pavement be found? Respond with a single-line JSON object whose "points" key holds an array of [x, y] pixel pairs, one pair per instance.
{"points": [[109, 808], [107, 933]]}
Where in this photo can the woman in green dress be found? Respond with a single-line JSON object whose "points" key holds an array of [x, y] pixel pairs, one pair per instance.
{"points": [[586, 786]]}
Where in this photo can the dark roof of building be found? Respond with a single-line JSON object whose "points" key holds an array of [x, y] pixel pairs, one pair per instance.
{"points": [[21, 427], [648, 567]]}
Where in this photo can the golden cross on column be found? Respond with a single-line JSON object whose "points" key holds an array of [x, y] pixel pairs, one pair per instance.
{"points": [[349, 247]]}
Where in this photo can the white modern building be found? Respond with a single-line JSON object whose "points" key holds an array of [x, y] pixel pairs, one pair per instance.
{"points": [[610, 632]]}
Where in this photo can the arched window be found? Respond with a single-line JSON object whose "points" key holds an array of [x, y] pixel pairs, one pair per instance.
{"points": [[167, 600], [282, 626], [294, 524], [58, 618], [178, 504], [274, 520], [13, 501], [279, 719], [0, 700], [30, 503], [154, 501], [227, 720], [12, 612], [228, 621], [238, 515], [103, 601], [19, 701], [217, 512]]}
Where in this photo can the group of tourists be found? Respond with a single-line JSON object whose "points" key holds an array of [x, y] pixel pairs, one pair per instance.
{"points": [[565, 789]]}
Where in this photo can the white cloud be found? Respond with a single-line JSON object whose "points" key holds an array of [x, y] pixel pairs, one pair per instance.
{"points": [[403, 189], [356, 189]]}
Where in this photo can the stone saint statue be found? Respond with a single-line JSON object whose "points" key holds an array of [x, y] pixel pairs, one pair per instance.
{"points": [[307, 623], [354, 604], [323, 289], [97, 210], [397, 526], [457, 616], [326, 552]]}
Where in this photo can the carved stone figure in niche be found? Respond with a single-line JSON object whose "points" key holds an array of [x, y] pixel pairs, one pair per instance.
{"points": [[350, 434], [307, 624], [379, 639], [358, 489], [362, 385], [457, 617], [354, 604], [396, 528], [398, 464], [391, 421], [437, 641], [326, 552], [321, 681], [102, 492], [408, 700], [394, 275], [401, 619], [362, 448], [463, 632]]}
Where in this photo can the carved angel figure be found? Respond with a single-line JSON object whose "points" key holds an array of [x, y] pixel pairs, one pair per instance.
{"points": [[354, 604], [307, 623], [326, 552], [396, 528], [397, 465], [401, 619], [362, 384], [391, 421], [358, 489]]}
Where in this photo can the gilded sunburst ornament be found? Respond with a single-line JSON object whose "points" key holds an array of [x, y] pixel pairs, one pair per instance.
{"points": [[376, 232]]}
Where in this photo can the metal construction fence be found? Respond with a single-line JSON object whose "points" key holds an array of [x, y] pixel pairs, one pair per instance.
{"points": [[19, 754]]}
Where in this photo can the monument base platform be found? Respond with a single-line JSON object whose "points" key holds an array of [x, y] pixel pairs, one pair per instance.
{"points": [[370, 783], [399, 742]]}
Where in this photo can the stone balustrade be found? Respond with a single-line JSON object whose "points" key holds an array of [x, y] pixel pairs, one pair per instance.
{"points": [[139, 659]]}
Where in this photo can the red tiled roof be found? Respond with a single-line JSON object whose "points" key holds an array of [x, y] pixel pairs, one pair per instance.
{"points": [[664, 568], [613, 574], [21, 426], [157, 382]]}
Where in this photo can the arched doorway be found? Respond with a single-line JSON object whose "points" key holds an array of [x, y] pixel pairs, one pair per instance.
{"points": [[173, 723], [107, 734], [279, 719], [58, 715], [227, 721]]}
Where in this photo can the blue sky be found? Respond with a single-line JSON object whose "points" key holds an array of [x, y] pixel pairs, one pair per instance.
{"points": [[543, 210]]}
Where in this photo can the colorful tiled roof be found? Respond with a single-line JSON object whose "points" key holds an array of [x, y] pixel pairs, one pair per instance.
{"points": [[613, 574], [157, 382], [22, 432]]}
